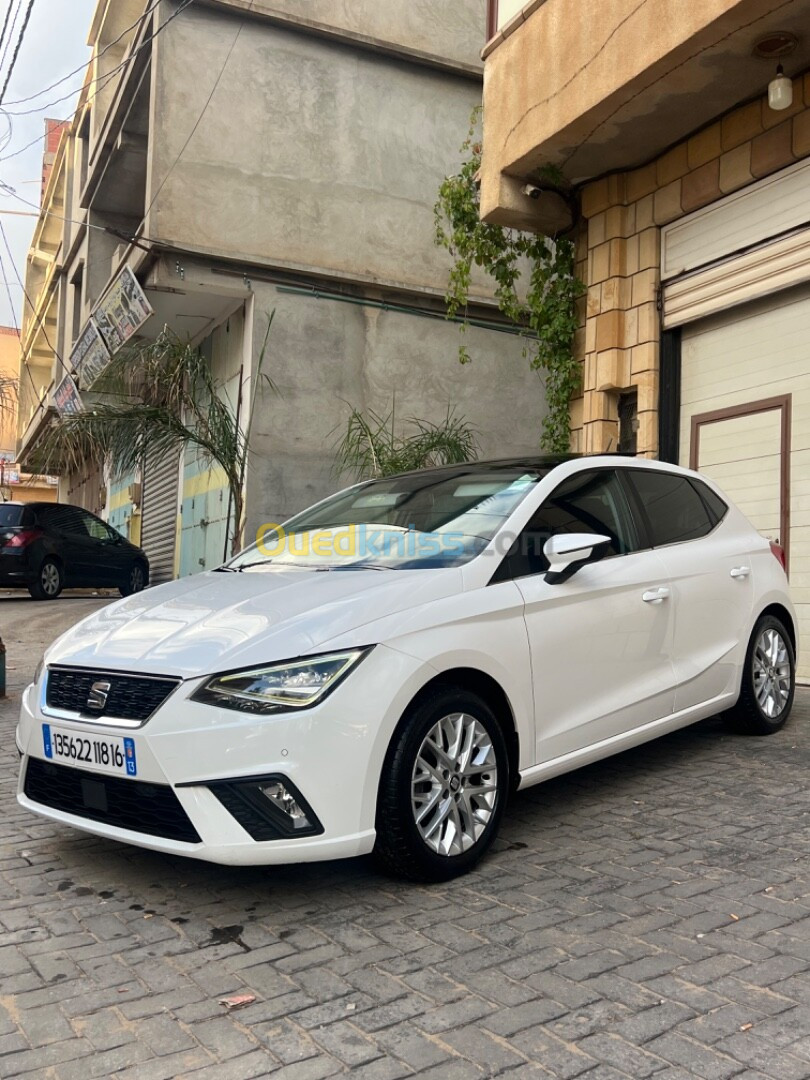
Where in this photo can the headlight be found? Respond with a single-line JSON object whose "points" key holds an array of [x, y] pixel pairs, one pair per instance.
{"points": [[295, 684]]}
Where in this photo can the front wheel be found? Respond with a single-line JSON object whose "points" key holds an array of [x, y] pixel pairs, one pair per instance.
{"points": [[49, 581], [768, 682], [443, 788]]}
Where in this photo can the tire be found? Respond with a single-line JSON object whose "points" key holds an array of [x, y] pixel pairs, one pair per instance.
{"points": [[768, 681], [136, 580], [50, 581], [460, 820]]}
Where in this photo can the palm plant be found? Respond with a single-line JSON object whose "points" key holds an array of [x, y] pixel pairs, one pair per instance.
{"points": [[156, 401], [372, 447]]}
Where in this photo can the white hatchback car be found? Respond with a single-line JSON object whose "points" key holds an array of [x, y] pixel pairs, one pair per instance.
{"points": [[378, 674]]}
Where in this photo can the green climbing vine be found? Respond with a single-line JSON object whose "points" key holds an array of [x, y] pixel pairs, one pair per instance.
{"points": [[540, 298]]}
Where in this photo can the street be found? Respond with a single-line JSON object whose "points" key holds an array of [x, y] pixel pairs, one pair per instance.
{"points": [[645, 916]]}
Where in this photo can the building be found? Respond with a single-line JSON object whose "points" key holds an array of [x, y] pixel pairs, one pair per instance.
{"points": [[53, 135], [14, 483], [252, 157], [694, 241]]}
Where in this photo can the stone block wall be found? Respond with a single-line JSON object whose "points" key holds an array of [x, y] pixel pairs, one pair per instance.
{"points": [[619, 254]]}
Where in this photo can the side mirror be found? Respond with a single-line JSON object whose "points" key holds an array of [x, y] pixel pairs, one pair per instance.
{"points": [[568, 552]]}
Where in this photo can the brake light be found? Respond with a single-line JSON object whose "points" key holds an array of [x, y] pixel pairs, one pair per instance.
{"points": [[23, 538], [778, 553]]}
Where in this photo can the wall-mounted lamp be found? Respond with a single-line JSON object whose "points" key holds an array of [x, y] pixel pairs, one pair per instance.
{"points": [[780, 91]]}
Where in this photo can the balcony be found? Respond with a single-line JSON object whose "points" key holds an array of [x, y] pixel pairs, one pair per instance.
{"points": [[594, 88]]}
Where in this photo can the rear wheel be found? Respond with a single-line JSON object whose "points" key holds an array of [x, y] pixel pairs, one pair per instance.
{"points": [[136, 580], [49, 581], [443, 788], [768, 683]]}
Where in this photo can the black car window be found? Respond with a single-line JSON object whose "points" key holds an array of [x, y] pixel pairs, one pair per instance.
{"points": [[674, 509], [588, 502], [63, 519], [715, 505]]}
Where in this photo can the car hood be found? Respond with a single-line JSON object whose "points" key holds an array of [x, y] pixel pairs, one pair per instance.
{"points": [[219, 621]]}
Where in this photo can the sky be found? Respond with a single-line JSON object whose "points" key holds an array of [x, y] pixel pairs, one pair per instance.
{"points": [[55, 43]]}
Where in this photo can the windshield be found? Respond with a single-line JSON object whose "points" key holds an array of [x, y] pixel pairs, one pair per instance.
{"points": [[10, 515], [437, 518]]}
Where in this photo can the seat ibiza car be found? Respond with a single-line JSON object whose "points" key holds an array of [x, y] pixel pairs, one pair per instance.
{"points": [[378, 674]]}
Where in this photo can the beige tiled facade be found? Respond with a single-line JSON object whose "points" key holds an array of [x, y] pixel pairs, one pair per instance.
{"points": [[618, 254]]}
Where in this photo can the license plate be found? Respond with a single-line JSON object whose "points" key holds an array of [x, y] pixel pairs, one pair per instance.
{"points": [[99, 753]]}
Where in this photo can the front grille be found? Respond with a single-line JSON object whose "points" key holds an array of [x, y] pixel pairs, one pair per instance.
{"points": [[130, 697], [128, 804]]}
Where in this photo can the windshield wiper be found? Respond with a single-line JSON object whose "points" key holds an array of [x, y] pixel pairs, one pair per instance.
{"points": [[362, 566]]}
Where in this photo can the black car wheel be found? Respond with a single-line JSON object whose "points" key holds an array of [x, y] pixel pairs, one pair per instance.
{"points": [[49, 581], [136, 581], [443, 788]]}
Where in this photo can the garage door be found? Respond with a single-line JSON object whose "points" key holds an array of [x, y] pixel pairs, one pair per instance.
{"points": [[745, 422]]}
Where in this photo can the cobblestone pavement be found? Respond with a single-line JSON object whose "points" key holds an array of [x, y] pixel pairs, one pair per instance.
{"points": [[645, 917]]}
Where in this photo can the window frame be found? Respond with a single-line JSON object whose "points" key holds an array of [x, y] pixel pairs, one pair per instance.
{"points": [[504, 572], [713, 520], [492, 19]]}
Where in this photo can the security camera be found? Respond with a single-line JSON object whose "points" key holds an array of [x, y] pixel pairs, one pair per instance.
{"points": [[532, 190]]}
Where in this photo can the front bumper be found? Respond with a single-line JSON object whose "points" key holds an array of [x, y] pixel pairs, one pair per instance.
{"points": [[331, 754]]}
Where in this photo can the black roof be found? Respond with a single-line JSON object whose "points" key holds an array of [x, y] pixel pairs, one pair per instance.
{"points": [[545, 462]]}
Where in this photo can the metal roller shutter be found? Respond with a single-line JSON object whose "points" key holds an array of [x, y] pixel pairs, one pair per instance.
{"points": [[159, 522]]}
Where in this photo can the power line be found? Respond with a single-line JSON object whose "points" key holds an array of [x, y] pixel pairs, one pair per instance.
{"points": [[9, 190], [40, 320], [107, 78], [108, 75], [5, 22], [7, 42], [83, 67], [208, 100], [16, 327], [17, 49]]}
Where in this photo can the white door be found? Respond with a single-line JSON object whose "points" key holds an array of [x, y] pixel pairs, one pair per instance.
{"points": [[711, 574], [601, 642], [745, 421]]}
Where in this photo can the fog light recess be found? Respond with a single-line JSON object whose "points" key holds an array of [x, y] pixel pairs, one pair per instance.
{"points": [[267, 807]]}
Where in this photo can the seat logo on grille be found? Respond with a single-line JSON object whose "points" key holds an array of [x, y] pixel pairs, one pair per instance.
{"points": [[97, 699]]}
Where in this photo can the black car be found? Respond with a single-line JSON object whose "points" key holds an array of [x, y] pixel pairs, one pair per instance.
{"points": [[45, 547]]}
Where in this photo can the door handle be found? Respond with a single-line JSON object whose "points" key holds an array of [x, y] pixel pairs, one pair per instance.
{"points": [[655, 596], [741, 571]]}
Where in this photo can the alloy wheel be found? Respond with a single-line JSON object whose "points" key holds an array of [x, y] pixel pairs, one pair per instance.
{"points": [[772, 675], [454, 785], [136, 579], [50, 579]]}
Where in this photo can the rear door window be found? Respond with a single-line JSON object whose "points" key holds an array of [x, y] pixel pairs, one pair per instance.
{"points": [[674, 509], [63, 519], [716, 507]]}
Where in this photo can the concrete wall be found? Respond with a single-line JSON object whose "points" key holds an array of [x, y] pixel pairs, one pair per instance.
{"points": [[450, 29], [311, 154], [325, 356]]}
